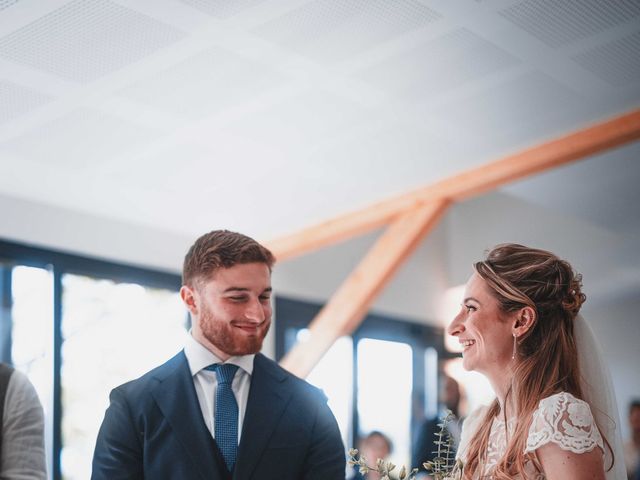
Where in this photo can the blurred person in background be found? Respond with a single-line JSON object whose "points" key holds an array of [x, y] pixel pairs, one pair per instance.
{"points": [[425, 447], [22, 454], [376, 445], [632, 446]]}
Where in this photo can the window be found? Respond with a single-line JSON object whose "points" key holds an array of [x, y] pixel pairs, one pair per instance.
{"points": [[79, 327], [112, 332], [334, 376], [32, 334], [382, 377], [385, 381]]}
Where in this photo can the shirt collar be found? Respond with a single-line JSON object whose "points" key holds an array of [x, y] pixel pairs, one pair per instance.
{"points": [[199, 357]]}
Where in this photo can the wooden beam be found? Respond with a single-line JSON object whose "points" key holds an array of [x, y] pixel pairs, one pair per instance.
{"points": [[582, 143], [350, 303]]}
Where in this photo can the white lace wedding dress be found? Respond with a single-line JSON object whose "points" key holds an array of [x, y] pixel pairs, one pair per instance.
{"points": [[561, 419]]}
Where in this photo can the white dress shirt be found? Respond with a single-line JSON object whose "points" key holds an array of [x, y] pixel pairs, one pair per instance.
{"points": [[206, 382]]}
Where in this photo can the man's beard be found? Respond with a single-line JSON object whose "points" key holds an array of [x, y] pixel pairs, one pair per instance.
{"points": [[228, 338]]}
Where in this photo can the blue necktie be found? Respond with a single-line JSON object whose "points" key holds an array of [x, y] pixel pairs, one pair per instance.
{"points": [[226, 413]]}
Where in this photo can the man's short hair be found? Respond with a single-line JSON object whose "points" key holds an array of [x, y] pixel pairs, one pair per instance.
{"points": [[222, 249], [635, 403]]}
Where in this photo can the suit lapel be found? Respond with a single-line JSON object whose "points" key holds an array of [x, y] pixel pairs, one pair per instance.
{"points": [[175, 394], [268, 398]]}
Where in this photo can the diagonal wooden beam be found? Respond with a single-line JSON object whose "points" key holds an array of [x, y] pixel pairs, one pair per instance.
{"points": [[350, 303], [574, 146]]}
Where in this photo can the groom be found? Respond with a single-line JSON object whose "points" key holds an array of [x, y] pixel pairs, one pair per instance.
{"points": [[219, 409]]}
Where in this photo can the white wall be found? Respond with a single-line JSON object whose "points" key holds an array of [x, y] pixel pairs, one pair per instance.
{"points": [[413, 293], [616, 325], [478, 225], [70, 231]]}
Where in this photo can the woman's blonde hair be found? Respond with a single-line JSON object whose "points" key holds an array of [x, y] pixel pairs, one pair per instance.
{"points": [[546, 360]]}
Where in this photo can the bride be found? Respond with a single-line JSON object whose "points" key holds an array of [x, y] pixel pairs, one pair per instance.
{"points": [[553, 417]]}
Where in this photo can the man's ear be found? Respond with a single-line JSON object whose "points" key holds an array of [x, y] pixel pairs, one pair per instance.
{"points": [[524, 322], [189, 298]]}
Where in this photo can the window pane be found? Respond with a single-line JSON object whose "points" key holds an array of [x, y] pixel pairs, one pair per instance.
{"points": [[32, 335], [112, 333], [430, 383], [385, 380], [334, 376]]}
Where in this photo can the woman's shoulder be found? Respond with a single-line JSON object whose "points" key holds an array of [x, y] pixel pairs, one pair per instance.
{"points": [[472, 421], [470, 425], [565, 420], [560, 399]]}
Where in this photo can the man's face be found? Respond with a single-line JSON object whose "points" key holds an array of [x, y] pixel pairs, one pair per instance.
{"points": [[232, 309]]}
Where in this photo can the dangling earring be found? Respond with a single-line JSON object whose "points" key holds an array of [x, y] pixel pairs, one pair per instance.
{"points": [[513, 355]]}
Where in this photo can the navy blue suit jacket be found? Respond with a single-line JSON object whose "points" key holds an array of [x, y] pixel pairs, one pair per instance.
{"points": [[153, 429]]}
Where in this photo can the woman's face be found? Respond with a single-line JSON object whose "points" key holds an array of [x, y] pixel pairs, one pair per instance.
{"points": [[483, 330]]}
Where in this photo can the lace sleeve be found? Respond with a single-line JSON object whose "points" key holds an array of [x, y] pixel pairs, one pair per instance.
{"points": [[565, 421]]}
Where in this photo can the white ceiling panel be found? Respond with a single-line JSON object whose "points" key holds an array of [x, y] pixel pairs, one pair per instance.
{"points": [[7, 3], [558, 23], [198, 169], [447, 62], [617, 62], [16, 100], [204, 84], [84, 138], [506, 114], [571, 189], [222, 9], [333, 30], [86, 39], [290, 127], [394, 152]]}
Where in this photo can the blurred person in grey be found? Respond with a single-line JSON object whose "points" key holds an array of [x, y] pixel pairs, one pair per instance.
{"points": [[22, 419]]}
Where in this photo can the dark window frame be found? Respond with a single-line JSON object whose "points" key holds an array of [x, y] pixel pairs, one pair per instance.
{"points": [[61, 263], [291, 313]]}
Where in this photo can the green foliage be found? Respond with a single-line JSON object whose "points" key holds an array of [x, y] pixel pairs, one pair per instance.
{"points": [[385, 469], [444, 466]]}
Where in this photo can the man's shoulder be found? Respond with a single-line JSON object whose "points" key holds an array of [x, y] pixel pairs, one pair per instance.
{"points": [[154, 376], [264, 365]]}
